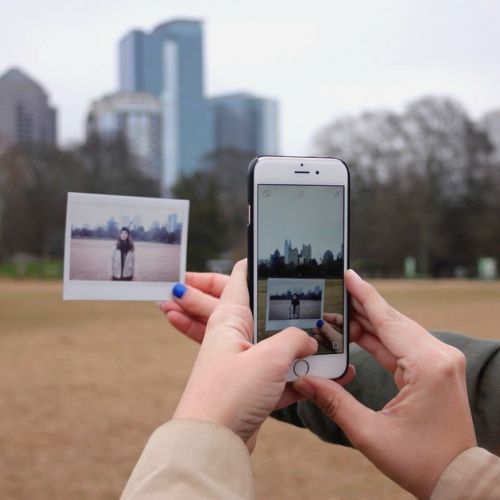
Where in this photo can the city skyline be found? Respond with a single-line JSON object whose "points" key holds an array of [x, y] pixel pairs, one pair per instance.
{"points": [[94, 214], [306, 215], [335, 64], [303, 254]]}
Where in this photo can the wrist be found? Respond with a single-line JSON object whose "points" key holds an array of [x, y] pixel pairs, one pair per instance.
{"points": [[211, 419], [460, 476]]}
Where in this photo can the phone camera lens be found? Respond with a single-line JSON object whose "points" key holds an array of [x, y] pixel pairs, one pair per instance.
{"points": [[301, 164], [317, 172]]}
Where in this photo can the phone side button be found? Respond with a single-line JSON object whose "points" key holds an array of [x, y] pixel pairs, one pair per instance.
{"points": [[301, 367]]}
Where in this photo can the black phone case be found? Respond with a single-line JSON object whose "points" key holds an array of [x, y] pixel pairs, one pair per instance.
{"points": [[251, 270]]}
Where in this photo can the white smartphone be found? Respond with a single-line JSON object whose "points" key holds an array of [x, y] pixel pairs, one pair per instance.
{"points": [[298, 248]]}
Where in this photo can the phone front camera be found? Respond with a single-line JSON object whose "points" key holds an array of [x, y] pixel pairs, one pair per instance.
{"points": [[301, 164], [317, 172]]}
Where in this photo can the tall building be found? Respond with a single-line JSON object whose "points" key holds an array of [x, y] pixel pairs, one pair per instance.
{"points": [[137, 116], [328, 256], [172, 223], [168, 63], [306, 252], [26, 115], [246, 122], [288, 248]]}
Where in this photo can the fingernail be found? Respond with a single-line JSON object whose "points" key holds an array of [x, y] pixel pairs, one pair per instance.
{"points": [[179, 290], [320, 323], [304, 388]]}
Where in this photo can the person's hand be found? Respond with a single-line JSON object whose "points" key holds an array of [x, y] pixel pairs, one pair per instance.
{"points": [[417, 434], [328, 332], [193, 303], [233, 382]]}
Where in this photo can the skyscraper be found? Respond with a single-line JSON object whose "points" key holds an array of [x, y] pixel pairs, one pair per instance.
{"points": [[306, 252], [25, 113], [168, 63], [287, 250], [246, 122], [137, 116]]}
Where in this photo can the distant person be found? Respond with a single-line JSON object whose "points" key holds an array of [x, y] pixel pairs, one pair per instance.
{"points": [[294, 309], [122, 260], [423, 439]]}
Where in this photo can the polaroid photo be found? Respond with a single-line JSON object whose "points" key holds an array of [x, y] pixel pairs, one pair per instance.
{"points": [[123, 247], [294, 302]]}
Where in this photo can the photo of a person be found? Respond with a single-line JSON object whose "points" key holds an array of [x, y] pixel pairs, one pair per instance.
{"points": [[294, 309], [123, 247], [123, 257], [294, 302]]}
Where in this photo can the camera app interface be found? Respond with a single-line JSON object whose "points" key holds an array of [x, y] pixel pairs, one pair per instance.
{"points": [[300, 258]]}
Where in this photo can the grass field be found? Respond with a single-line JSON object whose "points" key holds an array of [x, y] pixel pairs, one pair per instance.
{"points": [[84, 384]]}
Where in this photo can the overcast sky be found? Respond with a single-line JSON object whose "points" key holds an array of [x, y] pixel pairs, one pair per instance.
{"points": [[320, 58]]}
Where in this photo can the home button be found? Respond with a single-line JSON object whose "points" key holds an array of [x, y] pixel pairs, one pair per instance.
{"points": [[301, 367]]}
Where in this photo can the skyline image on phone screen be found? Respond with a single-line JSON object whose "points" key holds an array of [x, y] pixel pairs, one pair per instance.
{"points": [[300, 260]]}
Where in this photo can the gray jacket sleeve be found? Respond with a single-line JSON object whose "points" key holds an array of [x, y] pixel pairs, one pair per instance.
{"points": [[374, 387]]}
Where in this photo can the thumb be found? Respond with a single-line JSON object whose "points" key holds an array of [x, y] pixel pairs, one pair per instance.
{"points": [[354, 418], [286, 346]]}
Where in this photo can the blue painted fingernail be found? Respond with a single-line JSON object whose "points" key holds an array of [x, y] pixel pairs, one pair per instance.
{"points": [[319, 323], [179, 290]]}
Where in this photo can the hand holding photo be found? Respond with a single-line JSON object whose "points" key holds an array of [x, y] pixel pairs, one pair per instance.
{"points": [[123, 247]]}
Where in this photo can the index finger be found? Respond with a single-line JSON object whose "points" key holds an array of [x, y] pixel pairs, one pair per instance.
{"points": [[397, 333], [211, 283], [236, 289]]}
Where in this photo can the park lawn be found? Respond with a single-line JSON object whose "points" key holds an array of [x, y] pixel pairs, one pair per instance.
{"points": [[84, 384]]}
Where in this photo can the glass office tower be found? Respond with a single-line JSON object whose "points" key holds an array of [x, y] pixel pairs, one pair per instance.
{"points": [[246, 122], [168, 63], [26, 116]]}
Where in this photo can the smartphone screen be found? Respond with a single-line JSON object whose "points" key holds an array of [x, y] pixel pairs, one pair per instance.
{"points": [[300, 260]]}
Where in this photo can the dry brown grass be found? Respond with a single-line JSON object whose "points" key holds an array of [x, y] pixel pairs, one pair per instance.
{"points": [[83, 385]]}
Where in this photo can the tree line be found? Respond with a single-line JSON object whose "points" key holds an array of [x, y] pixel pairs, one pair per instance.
{"points": [[424, 183], [35, 180]]}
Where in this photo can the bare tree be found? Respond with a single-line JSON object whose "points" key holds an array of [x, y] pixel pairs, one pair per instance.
{"points": [[414, 175]]}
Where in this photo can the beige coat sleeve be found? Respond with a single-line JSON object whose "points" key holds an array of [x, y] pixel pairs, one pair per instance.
{"points": [[192, 459], [473, 475]]}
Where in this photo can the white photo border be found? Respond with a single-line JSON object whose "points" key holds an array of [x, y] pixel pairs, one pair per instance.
{"points": [[119, 290]]}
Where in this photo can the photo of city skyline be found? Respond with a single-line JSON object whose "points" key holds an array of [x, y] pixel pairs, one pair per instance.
{"points": [[300, 231], [310, 215]]}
